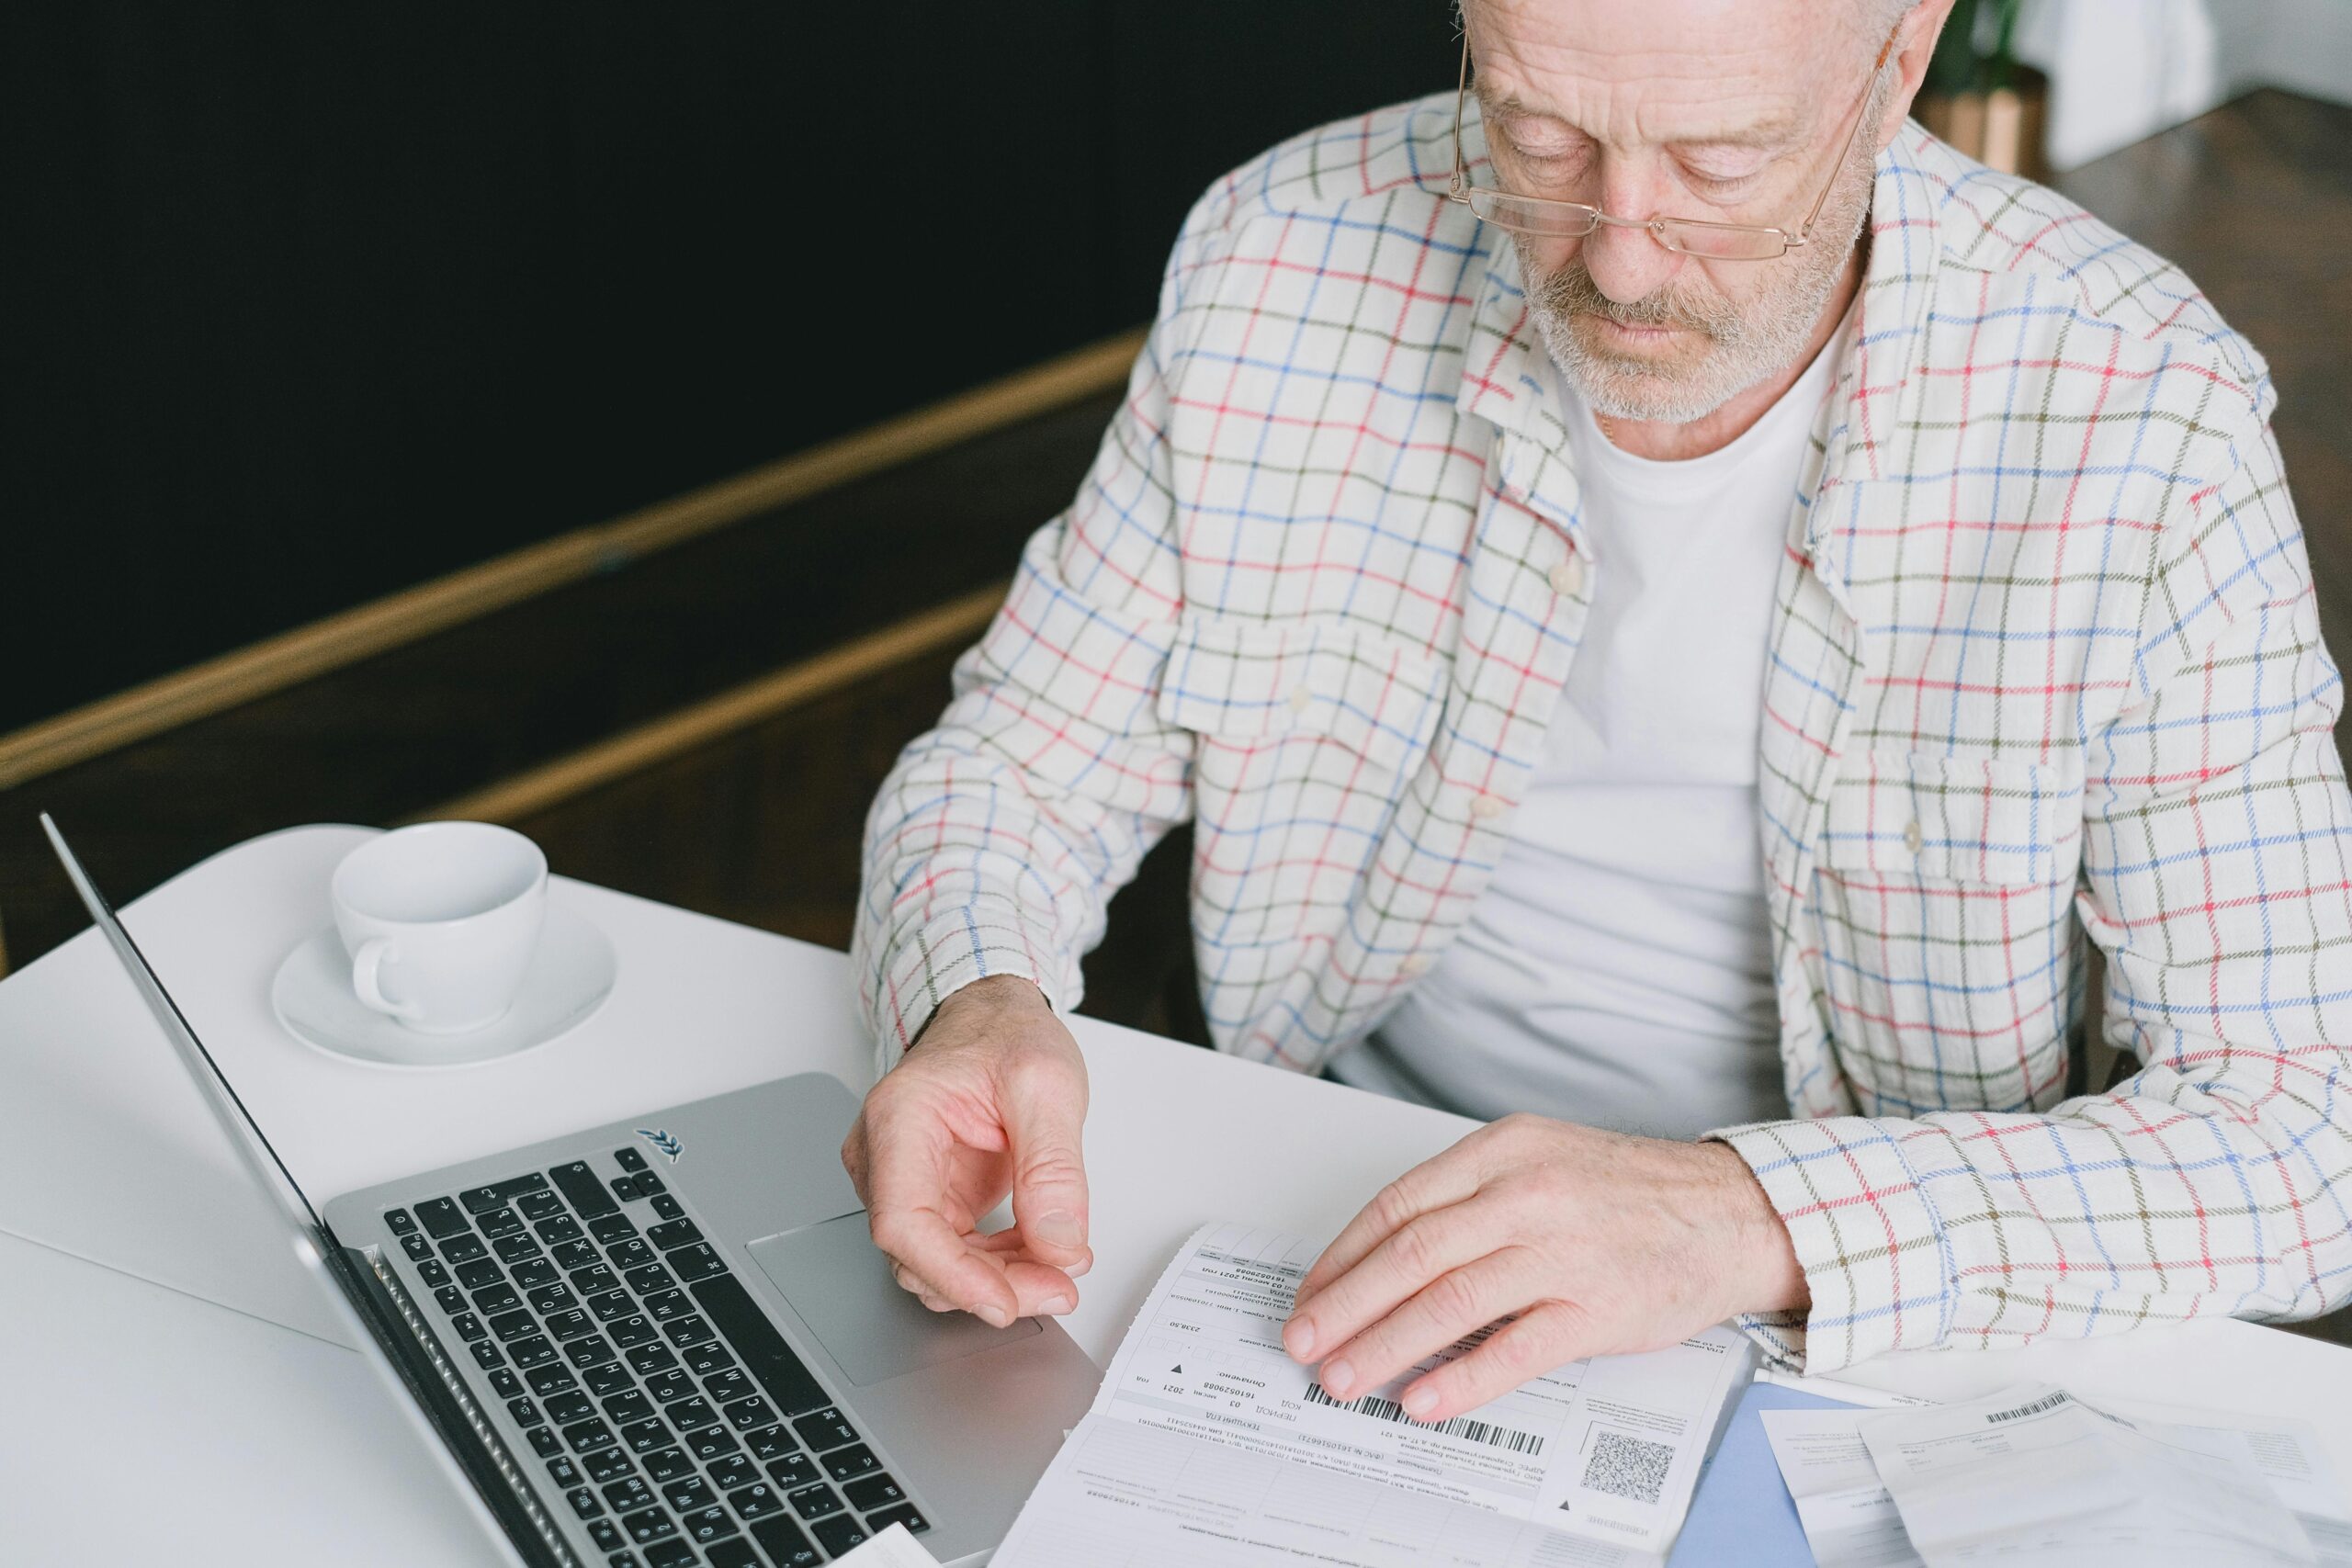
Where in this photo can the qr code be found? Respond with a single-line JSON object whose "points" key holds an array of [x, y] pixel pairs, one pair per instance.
{"points": [[1627, 1467]]}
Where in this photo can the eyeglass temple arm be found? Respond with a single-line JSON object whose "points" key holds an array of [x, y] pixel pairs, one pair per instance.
{"points": [[1884, 51], [1461, 92]]}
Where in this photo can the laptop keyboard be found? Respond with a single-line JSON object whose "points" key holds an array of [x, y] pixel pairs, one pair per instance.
{"points": [[669, 1412]]}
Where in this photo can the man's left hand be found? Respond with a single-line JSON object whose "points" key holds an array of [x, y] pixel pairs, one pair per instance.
{"points": [[1593, 1243]]}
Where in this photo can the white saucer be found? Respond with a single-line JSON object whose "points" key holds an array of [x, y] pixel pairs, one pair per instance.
{"points": [[571, 975]]}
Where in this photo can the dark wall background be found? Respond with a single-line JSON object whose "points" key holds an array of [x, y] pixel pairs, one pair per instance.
{"points": [[300, 304]]}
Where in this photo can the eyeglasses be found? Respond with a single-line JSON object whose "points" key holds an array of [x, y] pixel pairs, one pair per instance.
{"points": [[1686, 236]]}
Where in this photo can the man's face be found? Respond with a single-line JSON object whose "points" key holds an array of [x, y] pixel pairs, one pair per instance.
{"points": [[1724, 109]]}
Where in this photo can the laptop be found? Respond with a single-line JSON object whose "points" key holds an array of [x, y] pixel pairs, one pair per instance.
{"points": [[669, 1340]]}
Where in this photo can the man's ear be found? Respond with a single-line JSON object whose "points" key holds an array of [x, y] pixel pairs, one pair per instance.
{"points": [[1915, 46]]}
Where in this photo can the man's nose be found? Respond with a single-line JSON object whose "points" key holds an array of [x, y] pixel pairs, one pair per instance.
{"points": [[1626, 264]]}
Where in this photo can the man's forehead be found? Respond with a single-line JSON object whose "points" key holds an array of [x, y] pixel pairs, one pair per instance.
{"points": [[1644, 70]]}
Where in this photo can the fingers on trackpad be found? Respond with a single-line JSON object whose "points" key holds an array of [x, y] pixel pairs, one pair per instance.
{"points": [[840, 1285]]}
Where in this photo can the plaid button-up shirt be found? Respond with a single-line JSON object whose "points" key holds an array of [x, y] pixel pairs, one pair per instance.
{"points": [[2045, 670]]}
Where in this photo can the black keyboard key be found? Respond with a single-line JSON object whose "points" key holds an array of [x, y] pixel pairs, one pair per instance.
{"points": [[629, 1159], [689, 1414], [649, 1280], [583, 1502], [644, 1436], [467, 1326], [668, 1554], [630, 1254], [626, 1496], [848, 1464], [515, 1248], [713, 1523], [433, 1271], [550, 1380], [580, 1186], [500, 1223], [667, 1207], [440, 1218], [667, 1304], [563, 1473], [611, 1304], [593, 1281], [793, 1472], [480, 1274], [696, 1262], [631, 1330], [505, 1384], [711, 1443], [498, 1194], [667, 1386], [815, 1502], [452, 1299], [690, 1495], [416, 1246], [756, 1501], [539, 1205], [570, 1324], [399, 1220], [624, 1188], [668, 1464], [837, 1535], [486, 1355], [649, 1185], [786, 1543], [904, 1514], [613, 1229], [570, 1407], [788, 1381], [734, 1470], [650, 1358], [532, 1352], [828, 1428], [581, 1254], [746, 1415], [513, 1324], [606, 1535], [525, 1414], [686, 1332], [677, 1233], [649, 1525], [588, 1435], [629, 1404], [500, 1297], [769, 1442], [607, 1380], [606, 1464], [552, 1298], [544, 1442], [588, 1350], [464, 1249], [877, 1491], [735, 1553], [560, 1228], [729, 1386], [704, 1360]]}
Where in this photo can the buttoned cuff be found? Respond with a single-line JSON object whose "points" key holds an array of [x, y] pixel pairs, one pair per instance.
{"points": [[1876, 1254], [925, 964]]}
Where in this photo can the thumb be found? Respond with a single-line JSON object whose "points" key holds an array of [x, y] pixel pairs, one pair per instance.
{"points": [[1044, 1117]]}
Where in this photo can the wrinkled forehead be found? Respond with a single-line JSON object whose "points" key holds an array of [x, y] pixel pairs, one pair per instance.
{"points": [[1641, 73]]}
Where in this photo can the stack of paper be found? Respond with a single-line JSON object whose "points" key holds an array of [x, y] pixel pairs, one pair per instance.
{"points": [[1207, 1447], [2037, 1476]]}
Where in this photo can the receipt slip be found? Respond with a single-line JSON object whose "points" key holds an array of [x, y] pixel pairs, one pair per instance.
{"points": [[1208, 1444], [2035, 1476], [894, 1548]]}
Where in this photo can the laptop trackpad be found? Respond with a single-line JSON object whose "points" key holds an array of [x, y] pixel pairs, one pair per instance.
{"points": [[840, 1283]]}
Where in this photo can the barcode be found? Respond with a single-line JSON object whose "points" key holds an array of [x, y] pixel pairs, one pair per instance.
{"points": [[1460, 1426], [2048, 1402], [1627, 1467]]}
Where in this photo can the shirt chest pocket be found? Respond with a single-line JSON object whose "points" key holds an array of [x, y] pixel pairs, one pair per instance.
{"points": [[1311, 686], [1986, 819]]}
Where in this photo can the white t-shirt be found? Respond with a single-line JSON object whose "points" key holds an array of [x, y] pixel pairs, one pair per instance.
{"points": [[1618, 970]]}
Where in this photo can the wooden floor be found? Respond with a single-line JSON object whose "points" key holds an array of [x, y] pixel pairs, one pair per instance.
{"points": [[2254, 200]]}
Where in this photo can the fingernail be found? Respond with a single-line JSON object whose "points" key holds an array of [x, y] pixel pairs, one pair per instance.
{"points": [[1299, 1338], [995, 1316], [1058, 1304], [1077, 1270], [1338, 1377], [1420, 1401], [1059, 1229]]}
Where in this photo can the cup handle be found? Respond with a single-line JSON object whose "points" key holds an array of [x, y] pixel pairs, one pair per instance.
{"points": [[365, 965]]}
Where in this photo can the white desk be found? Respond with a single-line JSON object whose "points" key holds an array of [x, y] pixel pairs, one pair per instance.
{"points": [[271, 1445]]}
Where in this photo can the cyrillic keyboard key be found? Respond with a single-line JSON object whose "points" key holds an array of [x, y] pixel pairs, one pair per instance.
{"points": [[873, 1492], [416, 1246], [675, 1233], [815, 1502], [651, 1525], [713, 1523], [583, 1190], [668, 1554], [904, 1514], [756, 1501], [607, 1464], [837, 1535], [793, 1472], [668, 1464], [732, 1471], [480, 1274], [848, 1464], [696, 1262], [440, 1217], [543, 1441], [399, 1220], [786, 1543], [828, 1428], [611, 1230]]}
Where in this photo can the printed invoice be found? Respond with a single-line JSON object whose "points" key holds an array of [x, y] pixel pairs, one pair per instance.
{"points": [[1208, 1444]]}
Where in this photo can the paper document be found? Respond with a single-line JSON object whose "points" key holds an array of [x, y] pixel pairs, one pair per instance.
{"points": [[1208, 1444], [1849, 1515], [894, 1548], [2035, 1476]]}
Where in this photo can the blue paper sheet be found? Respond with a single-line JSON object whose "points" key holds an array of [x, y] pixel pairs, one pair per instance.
{"points": [[1741, 1513]]}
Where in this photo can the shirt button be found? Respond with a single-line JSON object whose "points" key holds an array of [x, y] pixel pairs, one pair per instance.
{"points": [[1484, 806], [1912, 836], [1301, 700], [1413, 968], [1567, 577]]}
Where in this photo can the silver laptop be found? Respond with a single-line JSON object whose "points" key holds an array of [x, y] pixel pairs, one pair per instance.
{"points": [[669, 1340]]}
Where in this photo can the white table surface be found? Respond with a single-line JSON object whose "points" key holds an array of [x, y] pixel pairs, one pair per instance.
{"points": [[198, 1331]]}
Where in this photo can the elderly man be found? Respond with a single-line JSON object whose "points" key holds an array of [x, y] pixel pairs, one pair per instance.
{"points": [[1681, 608]]}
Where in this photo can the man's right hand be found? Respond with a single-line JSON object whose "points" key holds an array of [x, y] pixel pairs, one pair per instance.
{"points": [[991, 1099]]}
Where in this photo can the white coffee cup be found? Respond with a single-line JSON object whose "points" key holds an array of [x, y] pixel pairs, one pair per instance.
{"points": [[441, 920]]}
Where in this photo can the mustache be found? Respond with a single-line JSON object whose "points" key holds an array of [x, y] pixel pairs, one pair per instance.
{"points": [[1570, 293]]}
